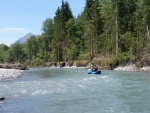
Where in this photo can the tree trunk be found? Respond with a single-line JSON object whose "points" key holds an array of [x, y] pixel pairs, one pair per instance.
{"points": [[58, 54], [116, 29], [147, 30]]}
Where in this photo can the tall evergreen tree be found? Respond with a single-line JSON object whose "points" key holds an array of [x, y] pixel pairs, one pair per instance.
{"points": [[48, 28], [3, 53], [31, 48], [16, 52], [93, 26], [80, 41], [63, 14], [56, 47], [142, 16], [108, 19]]}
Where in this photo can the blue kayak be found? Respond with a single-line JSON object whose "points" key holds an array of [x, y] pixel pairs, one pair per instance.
{"points": [[94, 72]]}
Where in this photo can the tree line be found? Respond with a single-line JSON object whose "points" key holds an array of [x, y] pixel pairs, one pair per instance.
{"points": [[118, 28]]}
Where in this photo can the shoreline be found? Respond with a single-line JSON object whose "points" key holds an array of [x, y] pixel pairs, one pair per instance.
{"points": [[6, 74], [13, 66], [132, 67]]}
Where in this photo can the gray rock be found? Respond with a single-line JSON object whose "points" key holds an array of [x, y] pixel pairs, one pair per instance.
{"points": [[2, 98]]}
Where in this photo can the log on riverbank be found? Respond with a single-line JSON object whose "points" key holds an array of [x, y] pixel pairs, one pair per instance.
{"points": [[14, 66]]}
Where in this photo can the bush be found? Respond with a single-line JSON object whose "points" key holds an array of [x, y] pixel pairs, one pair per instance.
{"points": [[122, 57]]}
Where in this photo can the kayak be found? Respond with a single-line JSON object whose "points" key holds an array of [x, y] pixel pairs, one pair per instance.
{"points": [[94, 72]]}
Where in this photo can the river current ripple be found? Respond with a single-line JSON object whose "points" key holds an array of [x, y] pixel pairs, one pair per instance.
{"points": [[54, 90]]}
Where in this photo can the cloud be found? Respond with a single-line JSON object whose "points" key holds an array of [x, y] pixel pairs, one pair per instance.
{"points": [[12, 30]]}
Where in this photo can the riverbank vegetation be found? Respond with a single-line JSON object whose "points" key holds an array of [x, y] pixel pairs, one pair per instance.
{"points": [[107, 31]]}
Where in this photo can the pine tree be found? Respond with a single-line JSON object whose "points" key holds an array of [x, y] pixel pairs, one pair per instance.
{"points": [[48, 27], [93, 26], [63, 14]]}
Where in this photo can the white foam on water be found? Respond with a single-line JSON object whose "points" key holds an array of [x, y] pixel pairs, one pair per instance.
{"points": [[82, 86], [23, 91], [61, 85], [89, 78], [16, 95], [104, 77], [1, 102], [4, 86], [39, 92]]}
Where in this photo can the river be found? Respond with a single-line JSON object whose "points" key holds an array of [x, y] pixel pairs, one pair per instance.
{"points": [[61, 90]]}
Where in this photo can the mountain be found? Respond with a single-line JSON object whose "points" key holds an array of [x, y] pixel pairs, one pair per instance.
{"points": [[24, 39]]}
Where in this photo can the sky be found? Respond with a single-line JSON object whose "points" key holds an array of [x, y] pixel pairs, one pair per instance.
{"points": [[19, 17]]}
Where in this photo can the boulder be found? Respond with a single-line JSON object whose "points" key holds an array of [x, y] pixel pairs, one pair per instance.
{"points": [[2, 98]]}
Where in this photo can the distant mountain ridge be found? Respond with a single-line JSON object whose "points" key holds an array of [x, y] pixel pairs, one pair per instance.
{"points": [[24, 39]]}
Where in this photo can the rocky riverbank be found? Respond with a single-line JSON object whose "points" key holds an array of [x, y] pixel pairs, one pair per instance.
{"points": [[6, 74], [132, 67], [13, 66]]}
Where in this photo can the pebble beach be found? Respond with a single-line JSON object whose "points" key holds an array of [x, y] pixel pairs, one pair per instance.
{"points": [[9, 73]]}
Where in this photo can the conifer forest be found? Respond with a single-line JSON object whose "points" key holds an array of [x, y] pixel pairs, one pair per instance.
{"points": [[114, 29]]}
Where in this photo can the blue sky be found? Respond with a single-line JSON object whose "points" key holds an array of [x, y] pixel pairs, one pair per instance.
{"points": [[19, 17]]}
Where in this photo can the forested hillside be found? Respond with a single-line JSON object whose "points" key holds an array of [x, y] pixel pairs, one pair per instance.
{"points": [[115, 29]]}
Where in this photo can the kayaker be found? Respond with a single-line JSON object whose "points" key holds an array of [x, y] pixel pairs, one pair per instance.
{"points": [[92, 68], [96, 68]]}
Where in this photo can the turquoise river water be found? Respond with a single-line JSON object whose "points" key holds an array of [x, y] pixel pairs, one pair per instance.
{"points": [[54, 90]]}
